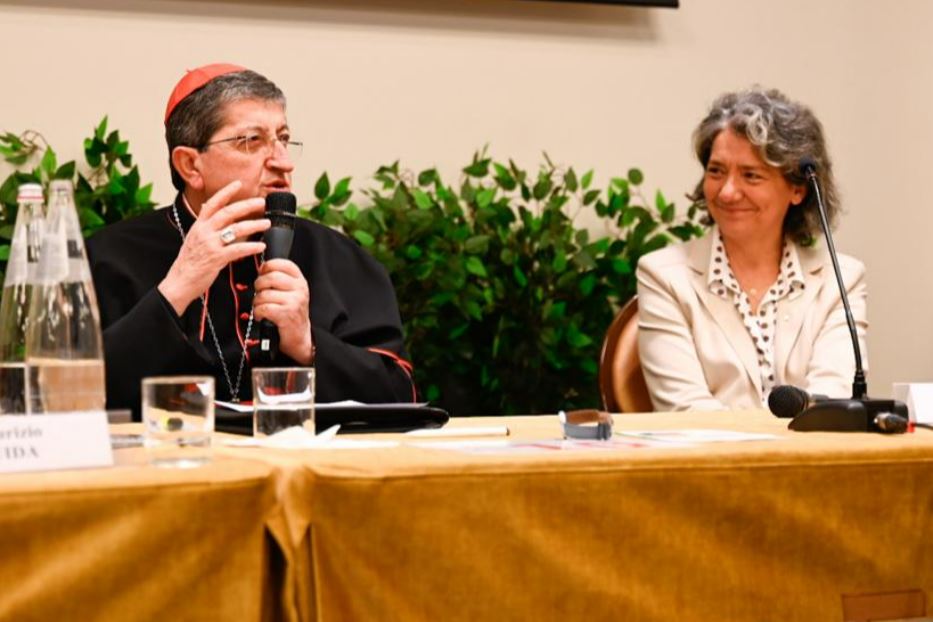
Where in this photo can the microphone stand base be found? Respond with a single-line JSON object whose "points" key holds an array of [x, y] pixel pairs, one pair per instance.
{"points": [[846, 415]]}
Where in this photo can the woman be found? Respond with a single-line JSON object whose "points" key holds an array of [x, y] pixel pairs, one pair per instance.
{"points": [[754, 303]]}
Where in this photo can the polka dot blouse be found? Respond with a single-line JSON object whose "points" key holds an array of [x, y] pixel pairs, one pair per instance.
{"points": [[760, 325]]}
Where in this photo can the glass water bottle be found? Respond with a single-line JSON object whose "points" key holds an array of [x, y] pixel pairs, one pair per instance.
{"points": [[18, 285], [64, 352]]}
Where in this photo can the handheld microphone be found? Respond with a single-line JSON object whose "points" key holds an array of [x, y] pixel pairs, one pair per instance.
{"points": [[280, 209], [860, 413]]}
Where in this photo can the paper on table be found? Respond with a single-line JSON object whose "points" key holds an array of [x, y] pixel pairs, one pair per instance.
{"points": [[298, 438], [247, 407], [504, 446], [697, 435], [490, 430]]}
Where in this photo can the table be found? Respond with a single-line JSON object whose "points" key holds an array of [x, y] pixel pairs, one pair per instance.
{"points": [[142, 543], [805, 527], [788, 529]]}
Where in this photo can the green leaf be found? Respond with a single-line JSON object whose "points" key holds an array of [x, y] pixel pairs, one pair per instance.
{"points": [[143, 196], [659, 201], [519, 276], [600, 246], [621, 266], [427, 177], [484, 197], [587, 179], [479, 168], [91, 153], [412, 251], [477, 244], [441, 299], [101, 130], [653, 244], [65, 171], [587, 284], [576, 338], [584, 260], [556, 311], [473, 309], [49, 163], [467, 191], [115, 185], [364, 238], [322, 188], [504, 178], [635, 176], [343, 186], [633, 213], [4, 252], [589, 366], [17, 160], [590, 196], [89, 218], [474, 265], [422, 200], [570, 180], [560, 262]]}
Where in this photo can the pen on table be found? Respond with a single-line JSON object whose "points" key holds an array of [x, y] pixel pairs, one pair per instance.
{"points": [[491, 430]]}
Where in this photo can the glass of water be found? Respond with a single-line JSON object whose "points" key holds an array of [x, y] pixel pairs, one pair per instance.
{"points": [[283, 397], [178, 415]]}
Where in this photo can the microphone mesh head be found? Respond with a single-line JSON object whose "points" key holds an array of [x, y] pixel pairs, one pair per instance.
{"points": [[807, 166], [281, 202], [787, 401]]}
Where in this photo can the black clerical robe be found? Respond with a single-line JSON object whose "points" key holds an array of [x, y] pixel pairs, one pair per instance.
{"points": [[355, 322]]}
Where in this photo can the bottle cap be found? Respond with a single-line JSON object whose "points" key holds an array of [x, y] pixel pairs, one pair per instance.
{"points": [[29, 193], [60, 185]]}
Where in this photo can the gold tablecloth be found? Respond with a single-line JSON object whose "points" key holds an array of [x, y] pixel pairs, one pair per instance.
{"points": [[779, 530], [798, 528], [142, 543]]}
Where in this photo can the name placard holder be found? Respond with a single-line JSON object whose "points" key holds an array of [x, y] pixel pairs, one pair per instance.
{"points": [[919, 399], [54, 442]]}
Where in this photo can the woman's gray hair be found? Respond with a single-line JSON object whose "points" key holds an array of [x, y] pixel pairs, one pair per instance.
{"points": [[784, 132], [198, 116]]}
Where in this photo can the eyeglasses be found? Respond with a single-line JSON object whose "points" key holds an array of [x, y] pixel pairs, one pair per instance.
{"points": [[256, 143]]}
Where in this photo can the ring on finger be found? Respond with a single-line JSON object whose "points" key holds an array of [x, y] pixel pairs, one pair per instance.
{"points": [[227, 235]]}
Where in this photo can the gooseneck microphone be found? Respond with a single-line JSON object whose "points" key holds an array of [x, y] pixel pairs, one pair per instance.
{"points": [[860, 413], [787, 401], [280, 209], [859, 384]]}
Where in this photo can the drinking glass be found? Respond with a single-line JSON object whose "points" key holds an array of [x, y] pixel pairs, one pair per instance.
{"points": [[178, 415], [282, 397]]}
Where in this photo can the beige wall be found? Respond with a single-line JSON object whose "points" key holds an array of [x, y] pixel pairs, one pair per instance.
{"points": [[604, 87]]}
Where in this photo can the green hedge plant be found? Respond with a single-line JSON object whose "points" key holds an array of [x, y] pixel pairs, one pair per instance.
{"points": [[107, 186], [505, 299]]}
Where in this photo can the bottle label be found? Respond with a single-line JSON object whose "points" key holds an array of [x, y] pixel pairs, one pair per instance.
{"points": [[53, 268]]}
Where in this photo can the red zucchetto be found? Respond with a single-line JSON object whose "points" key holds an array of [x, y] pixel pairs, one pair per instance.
{"points": [[195, 79]]}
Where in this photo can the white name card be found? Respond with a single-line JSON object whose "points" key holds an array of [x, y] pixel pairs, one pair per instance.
{"points": [[919, 399], [52, 442]]}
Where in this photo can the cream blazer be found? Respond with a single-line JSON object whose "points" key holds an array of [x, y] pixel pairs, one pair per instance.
{"points": [[697, 354]]}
